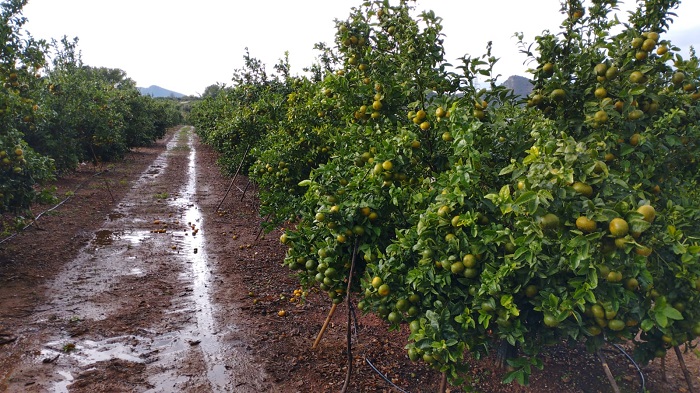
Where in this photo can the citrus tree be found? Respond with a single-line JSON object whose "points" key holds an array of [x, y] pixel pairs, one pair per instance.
{"points": [[486, 221], [570, 218], [21, 58], [56, 114]]}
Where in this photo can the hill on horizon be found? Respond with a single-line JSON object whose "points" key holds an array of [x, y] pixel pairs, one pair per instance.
{"points": [[159, 92], [520, 85]]}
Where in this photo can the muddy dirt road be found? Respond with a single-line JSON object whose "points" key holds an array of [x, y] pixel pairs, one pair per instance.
{"points": [[136, 300], [137, 283]]}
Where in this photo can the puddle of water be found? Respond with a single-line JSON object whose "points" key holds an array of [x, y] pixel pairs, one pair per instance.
{"points": [[135, 271], [103, 237], [89, 352], [194, 245], [62, 386], [135, 237], [115, 216]]}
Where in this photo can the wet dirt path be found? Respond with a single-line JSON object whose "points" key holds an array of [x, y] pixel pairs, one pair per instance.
{"points": [[135, 311]]}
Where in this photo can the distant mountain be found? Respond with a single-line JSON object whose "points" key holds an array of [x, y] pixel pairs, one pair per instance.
{"points": [[157, 92], [520, 85]]}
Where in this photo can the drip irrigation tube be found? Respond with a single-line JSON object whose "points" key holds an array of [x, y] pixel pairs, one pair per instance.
{"points": [[52, 208], [639, 369]]}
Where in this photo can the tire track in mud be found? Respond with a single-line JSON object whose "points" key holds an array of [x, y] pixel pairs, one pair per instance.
{"points": [[134, 311]]}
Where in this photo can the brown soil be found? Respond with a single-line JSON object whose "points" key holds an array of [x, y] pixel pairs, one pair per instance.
{"points": [[136, 283]]}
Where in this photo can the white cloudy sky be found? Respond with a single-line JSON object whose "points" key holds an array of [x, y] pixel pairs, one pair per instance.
{"points": [[186, 45]]}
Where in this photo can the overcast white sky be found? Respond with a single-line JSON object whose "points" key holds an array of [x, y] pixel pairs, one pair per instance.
{"points": [[185, 45]]}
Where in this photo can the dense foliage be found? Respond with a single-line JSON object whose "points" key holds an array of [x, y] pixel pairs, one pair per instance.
{"points": [[481, 219], [56, 114]]}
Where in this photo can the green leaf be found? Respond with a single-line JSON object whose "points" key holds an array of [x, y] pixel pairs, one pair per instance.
{"points": [[672, 313], [638, 90]]}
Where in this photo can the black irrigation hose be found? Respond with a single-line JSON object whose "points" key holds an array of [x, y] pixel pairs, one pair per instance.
{"points": [[384, 377], [51, 209], [376, 370], [639, 369]]}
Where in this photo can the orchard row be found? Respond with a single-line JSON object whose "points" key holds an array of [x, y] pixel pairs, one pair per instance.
{"points": [[57, 113], [480, 219]]}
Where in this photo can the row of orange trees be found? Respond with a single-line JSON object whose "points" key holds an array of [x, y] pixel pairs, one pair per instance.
{"points": [[476, 217], [57, 113]]}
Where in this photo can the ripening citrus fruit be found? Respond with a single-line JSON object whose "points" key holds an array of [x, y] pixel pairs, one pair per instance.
{"points": [[457, 268], [320, 217], [636, 77], [470, 272], [550, 321], [548, 68], [598, 311], [600, 93], [618, 227], [634, 139], [420, 115], [601, 116], [616, 325], [469, 261], [549, 221], [583, 189], [643, 251], [387, 165], [440, 112], [637, 42], [648, 212], [447, 136], [614, 276], [600, 69], [376, 282], [383, 290], [531, 291], [620, 242], [585, 224], [557, 94], [635, 114], [678, 78]]}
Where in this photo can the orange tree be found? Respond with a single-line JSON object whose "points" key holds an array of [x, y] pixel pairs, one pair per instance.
{"points": [[384, 145], [484, 222], [93, 114], [235, 118], [54, 117], [571, 218], [21, 58]]}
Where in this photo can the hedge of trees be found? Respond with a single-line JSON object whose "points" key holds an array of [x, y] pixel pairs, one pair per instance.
{"points": [[56, 112], [484, 221]]}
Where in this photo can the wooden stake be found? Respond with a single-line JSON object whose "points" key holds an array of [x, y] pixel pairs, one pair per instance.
{"points": [[234, 178], [325, 325], [686, 374], [608, 373]]}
